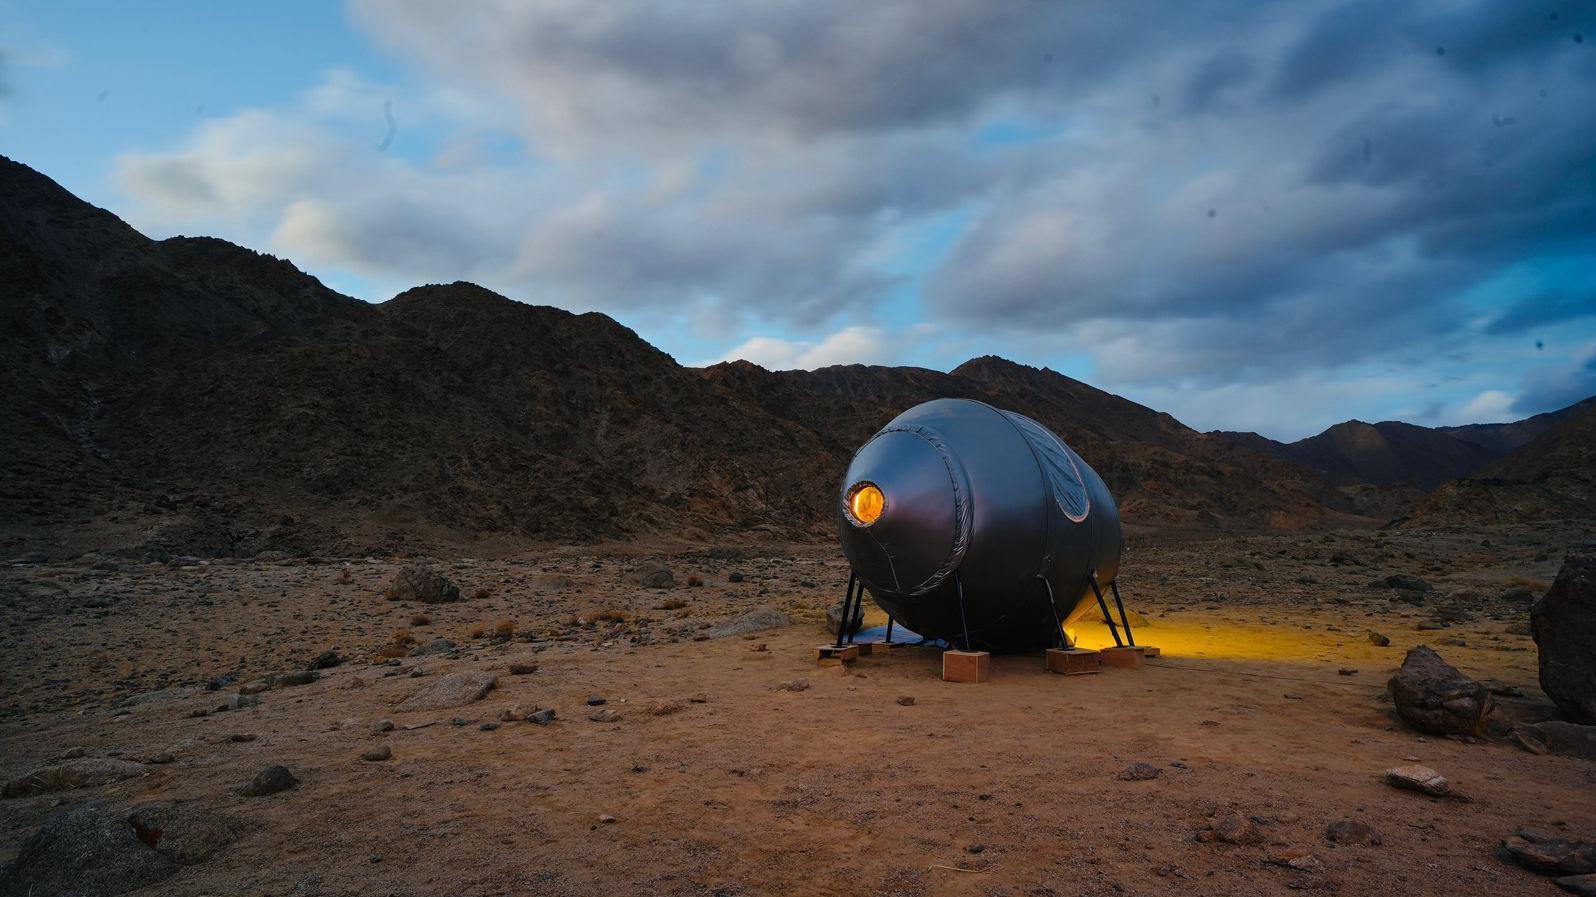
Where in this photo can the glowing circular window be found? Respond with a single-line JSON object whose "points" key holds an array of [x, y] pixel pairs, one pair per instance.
{"points": [[865, 503]]}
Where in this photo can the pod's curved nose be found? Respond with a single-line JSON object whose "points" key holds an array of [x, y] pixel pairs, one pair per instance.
{"points": [[904, 512]]}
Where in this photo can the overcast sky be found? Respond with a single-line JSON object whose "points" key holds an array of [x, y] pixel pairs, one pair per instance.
{"points": [[1255, 216]]}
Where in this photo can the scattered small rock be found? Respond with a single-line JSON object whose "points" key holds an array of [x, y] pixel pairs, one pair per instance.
{"points": [[541, 717], [270, 780], [1422, 779], [1350, 831], [794, 685], [1402, 582], [1231, 828], [905, 701], [326, 660], [381, 752], [1379, 640], [604, 715], [523, 667], [1140, 772]]}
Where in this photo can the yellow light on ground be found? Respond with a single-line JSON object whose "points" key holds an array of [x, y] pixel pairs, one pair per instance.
{"points": [[865, 503]]}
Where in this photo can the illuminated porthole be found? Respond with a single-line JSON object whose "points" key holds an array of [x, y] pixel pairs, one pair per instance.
{"points": [[865, 503]]}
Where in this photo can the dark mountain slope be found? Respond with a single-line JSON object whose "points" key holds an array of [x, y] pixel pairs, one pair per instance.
{"points": [[1551, 477], [1392, 452], [195, 396]]}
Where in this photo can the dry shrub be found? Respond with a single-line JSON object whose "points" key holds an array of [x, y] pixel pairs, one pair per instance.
{"points": [[478, 631], [694, 581], [1538, 586], [672, 604], [480, 595], [504, 629], [398, 647], [420, 620], [666, 708], [609, 616]]}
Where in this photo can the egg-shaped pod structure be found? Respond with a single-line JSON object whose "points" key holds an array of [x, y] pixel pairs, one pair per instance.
{"points": [[979, 526]]}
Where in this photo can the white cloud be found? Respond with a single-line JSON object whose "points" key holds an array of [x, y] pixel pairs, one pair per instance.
{"points": [[1490, 406], [851, 345]]}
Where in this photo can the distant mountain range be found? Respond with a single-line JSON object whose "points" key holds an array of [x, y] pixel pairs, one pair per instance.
{"points": [[192, 396], [1392, 452]]}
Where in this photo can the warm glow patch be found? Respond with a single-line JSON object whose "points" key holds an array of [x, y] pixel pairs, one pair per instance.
{"points": [[865, 503]]}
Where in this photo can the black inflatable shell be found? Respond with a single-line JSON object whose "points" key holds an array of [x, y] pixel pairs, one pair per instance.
{"points": [[993, 495]]}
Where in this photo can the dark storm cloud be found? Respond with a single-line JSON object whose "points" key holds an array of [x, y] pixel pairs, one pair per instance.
{"points": [[1212, 191], [1543, 309]]}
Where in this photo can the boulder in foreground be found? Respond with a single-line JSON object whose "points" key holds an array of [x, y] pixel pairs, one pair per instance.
{"points": [[1563, 623], [86, 851], [1557, 737], [1432, 696], [1549, 855]]}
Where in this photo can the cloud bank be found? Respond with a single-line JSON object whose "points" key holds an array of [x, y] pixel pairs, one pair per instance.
{"points": [[1191, 202]]}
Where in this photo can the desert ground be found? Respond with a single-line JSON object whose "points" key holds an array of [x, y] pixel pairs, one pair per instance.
{"points": [[733, 764]]}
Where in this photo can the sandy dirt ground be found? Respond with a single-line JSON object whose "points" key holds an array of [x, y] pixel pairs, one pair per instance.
{"points": [[721, 773]]}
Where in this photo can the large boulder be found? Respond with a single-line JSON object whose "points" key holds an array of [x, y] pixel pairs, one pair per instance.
{"points": [[419, 582], [1563, 623], [453, 690], [655, 576], [86, 851], [1432, 696], [834, 618], [1558, 737], [187, 833]]}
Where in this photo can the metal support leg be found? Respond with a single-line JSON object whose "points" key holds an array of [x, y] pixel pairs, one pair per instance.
{"points": [[1058, 624], [1113, 586], [964, 621], [847, 605], [889, 629], [1107, 617]]}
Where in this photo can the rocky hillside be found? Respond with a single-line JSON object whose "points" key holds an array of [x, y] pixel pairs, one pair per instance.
{"points": [[189, 395], [1392, 452], [1551, 477]]}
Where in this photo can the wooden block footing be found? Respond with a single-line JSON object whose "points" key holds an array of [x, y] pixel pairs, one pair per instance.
{"points": [[830, 655], [1124, 656], [1073, 661], [966, 666]]}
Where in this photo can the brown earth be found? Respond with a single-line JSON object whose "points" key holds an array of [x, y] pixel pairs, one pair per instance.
{"points": [[1010, 787]]}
